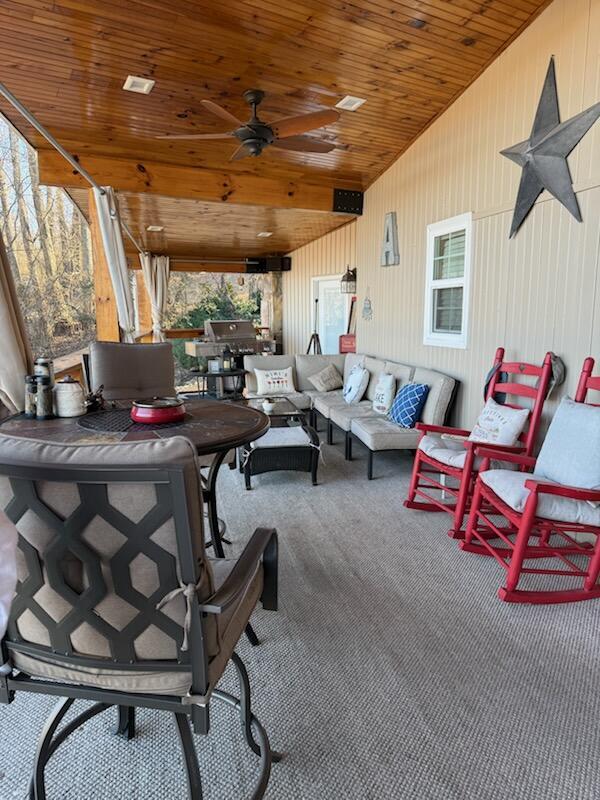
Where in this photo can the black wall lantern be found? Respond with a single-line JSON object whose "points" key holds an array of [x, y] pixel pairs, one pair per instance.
{"points": [[348, 282]]}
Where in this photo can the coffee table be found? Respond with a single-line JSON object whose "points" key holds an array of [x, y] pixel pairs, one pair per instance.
{"points": [[282, 409]]}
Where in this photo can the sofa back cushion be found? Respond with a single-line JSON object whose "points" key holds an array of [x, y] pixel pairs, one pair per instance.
{"points": [[441, 388], [309, 365], [266, 362], [401, 372]]}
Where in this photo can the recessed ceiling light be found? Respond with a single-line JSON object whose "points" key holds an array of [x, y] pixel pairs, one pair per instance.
{"points": [[139, 85], [155, 228], [264, 234], [350, 103]]}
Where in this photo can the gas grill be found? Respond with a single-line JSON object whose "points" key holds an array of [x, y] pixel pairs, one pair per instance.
{"points": [[237, 334]]}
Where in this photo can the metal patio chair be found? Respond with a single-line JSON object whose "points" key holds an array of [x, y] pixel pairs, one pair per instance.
{"points": [[135, 371], [463, 465], [117, 602], [542, 518]]}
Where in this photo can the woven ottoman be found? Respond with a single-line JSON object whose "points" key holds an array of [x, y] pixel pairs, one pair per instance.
{"points": [[282, 448]]}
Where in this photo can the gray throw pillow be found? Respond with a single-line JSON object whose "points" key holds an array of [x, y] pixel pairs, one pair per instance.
{"points": [[571, 451], [327, 379]]}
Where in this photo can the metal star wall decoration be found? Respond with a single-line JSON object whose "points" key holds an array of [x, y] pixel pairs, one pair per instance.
{"points": [[543, 156]]}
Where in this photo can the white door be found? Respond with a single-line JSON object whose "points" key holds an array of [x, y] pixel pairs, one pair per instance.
{"points": [[332, 318]]}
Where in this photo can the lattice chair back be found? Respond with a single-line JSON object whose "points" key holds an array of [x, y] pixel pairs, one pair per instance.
{"points": [[505, 384], [586, 382], [105, 533]]}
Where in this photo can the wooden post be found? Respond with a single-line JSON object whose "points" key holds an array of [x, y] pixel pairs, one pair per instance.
{"points": [[144, 306], [107, 323]]}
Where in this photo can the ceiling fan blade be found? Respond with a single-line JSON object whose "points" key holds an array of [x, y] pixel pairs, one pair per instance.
{"points": [[241, 152], [221, 112], [196, 136], [292, 126], [303, 144]]}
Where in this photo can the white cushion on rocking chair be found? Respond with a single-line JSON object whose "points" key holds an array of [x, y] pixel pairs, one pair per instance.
{"points": [[447, 451], [510, 487]]}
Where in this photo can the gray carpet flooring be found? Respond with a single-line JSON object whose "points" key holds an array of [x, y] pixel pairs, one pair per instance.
{"points": [[390, 671]]}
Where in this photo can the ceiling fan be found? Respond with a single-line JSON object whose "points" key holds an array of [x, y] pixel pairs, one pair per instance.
{"points": [[255, 134]]}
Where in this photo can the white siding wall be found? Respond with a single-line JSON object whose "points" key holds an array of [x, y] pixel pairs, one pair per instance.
{"points": [[537, 292]]}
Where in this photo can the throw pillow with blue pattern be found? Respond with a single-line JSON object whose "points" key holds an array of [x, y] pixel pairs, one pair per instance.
{"points": [[408, 404]]}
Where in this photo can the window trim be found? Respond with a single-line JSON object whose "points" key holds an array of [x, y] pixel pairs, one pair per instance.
{"points": [[445, 226]]}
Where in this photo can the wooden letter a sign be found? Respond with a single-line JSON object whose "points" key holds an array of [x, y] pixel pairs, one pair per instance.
{"points": [[389, 248]]}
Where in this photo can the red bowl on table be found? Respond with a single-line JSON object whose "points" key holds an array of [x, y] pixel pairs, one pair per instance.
{"points": [[158, 410]]}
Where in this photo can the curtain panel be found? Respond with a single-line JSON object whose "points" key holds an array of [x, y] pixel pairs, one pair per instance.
{"points": [[15, 355], [156, 271], [112, 241]]}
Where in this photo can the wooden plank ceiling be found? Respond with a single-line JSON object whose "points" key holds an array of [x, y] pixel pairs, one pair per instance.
{"points": [[66, 60]]}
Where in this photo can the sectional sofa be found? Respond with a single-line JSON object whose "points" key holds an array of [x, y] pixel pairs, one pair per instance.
{"points": [[358, 421]]}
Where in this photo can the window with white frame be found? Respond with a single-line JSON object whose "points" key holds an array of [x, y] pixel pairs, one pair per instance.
{"points": [[447, 284]]}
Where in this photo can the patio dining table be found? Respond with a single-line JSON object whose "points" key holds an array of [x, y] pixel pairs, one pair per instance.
{"points": [[214, 428]]}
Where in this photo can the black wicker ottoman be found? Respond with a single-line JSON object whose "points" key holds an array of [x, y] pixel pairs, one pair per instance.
{"points": [[282, 448]]}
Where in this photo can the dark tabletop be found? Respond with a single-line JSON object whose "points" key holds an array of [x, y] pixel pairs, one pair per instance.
{"points": [[211, 426]]}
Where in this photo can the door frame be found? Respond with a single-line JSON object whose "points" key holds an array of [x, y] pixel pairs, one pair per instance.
{"points": [[334, 277]]}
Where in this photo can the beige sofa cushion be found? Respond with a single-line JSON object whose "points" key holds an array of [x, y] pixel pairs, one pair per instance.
{"points": [[308, 365], [324, 402], [230, 626], [441, 388], [378, 433], [266, 362], [342, 416], [402, 372]]}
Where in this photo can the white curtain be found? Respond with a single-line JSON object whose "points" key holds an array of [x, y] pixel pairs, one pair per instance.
{"points": [[15, 357], [156, 277], [112, 241]]}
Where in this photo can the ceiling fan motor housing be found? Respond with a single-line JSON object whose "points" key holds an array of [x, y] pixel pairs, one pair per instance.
{"points": [[255, 136]]}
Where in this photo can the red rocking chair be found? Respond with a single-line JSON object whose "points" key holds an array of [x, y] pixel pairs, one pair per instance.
{"points": [[451, 444], [544, 518]]}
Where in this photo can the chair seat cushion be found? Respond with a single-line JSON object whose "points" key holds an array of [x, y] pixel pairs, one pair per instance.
{"points": [[342, 416], [323, 403], [378, 433], [510, 487], [447, 451], [282, 437], [230, 626]]}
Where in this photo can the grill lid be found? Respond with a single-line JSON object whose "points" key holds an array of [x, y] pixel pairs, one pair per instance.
{"points": [[229, 330]]}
